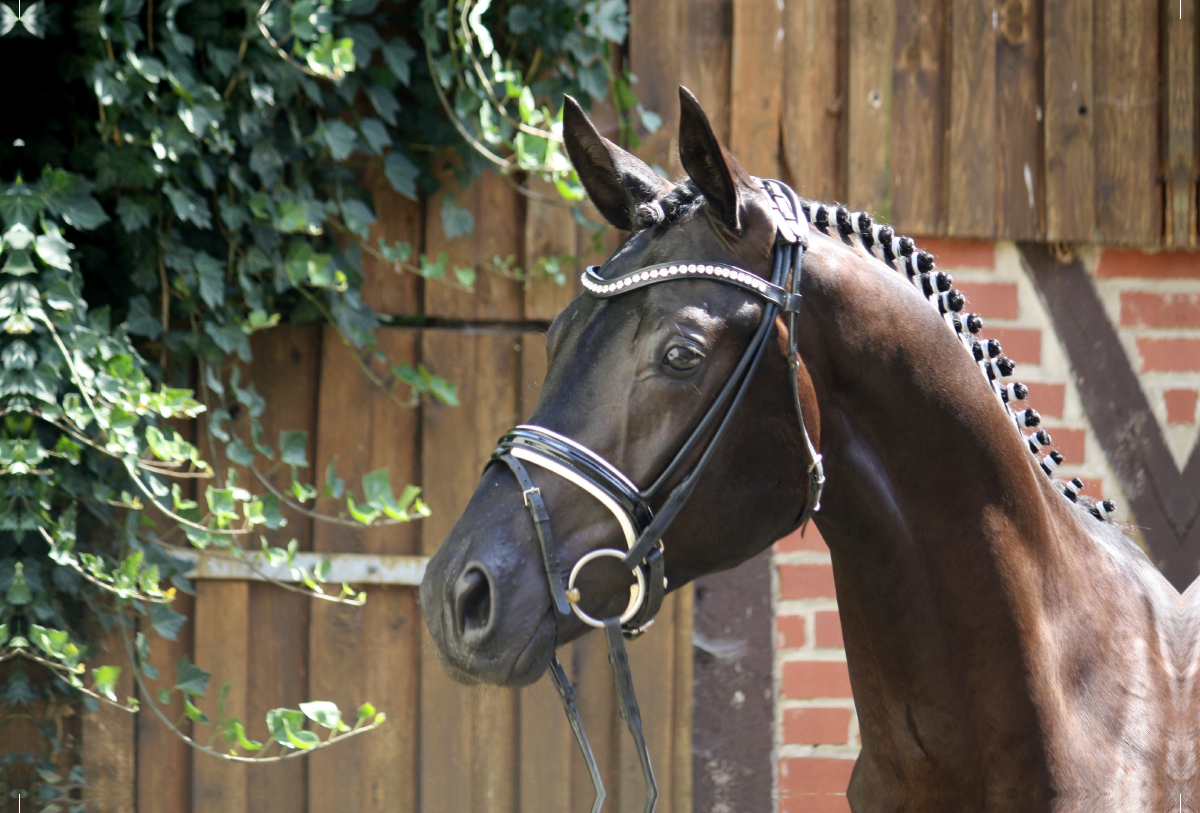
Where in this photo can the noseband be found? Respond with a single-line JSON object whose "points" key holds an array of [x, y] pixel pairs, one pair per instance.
{"points": [[641, 526]]}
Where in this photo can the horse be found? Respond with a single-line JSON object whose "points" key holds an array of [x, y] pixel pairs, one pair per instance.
{"points": [[1009, 648]]}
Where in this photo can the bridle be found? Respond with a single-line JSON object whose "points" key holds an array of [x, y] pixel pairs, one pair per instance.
{"points": [[642, 526]]}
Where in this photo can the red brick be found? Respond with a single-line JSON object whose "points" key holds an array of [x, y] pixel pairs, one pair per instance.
{"points": [[829, 629], [1071, 442], [810, 541], [991, 300], [1092, 488], [789, 632], [1047, 399], [810, 803], [1159, 265], [952, 254], [809, 679], [1021, 344], [814, 775], [1169, 355], [1143, 309], [1181, 405], [816, 726], [806, 581]]}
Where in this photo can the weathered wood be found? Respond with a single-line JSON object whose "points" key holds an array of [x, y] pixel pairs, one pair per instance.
{"points": [[1179, 121], [918, 117], [682, 691], [1020, 179], [550, 231], [654, 56], [872, 27], [467, 736], [1070, 113], [814, 101], [108, 736], [705, 65], [368, 653], [498, 210], [652, 659], [164, 762], [756, 91], [1126, 82], [971, 162], [223, 650], [385, 289]]}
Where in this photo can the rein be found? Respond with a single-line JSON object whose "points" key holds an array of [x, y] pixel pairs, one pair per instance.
{"points": [[641, 526]]}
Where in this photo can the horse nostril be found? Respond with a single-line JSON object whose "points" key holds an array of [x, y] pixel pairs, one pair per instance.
{"points": [[473, 603]]}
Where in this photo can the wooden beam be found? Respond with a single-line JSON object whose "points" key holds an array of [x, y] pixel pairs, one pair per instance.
{"points": [[1070, 113], [349, 568], [971, 172], [108, 737], [1179, 120], [550, 231], [1020, 176], [386, 290], [814, 100], [872, 26], [756, 93], [654, 57], [1127, 98]]}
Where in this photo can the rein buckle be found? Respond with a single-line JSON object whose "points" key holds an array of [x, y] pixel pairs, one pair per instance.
{"points": [[525, 494]]}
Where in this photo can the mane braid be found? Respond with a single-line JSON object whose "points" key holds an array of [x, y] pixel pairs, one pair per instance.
{"points": [[901, 254]]}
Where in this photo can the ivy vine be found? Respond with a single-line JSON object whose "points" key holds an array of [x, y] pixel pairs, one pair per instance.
{"points": [[186, 174]]}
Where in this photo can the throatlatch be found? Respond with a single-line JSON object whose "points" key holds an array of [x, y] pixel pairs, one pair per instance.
{"points": [[641, 526]]}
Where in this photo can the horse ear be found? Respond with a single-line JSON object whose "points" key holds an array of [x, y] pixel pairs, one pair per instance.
{"points": [[708, 163], [615, 180]]}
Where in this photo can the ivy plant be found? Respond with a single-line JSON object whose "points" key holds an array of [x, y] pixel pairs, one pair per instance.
{"points": [[186, 174]]}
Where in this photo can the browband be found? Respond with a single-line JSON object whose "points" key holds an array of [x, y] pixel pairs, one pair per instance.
{"points": [[602, 288]]}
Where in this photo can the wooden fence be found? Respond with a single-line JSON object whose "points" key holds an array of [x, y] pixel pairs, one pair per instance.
{"points": [[1025, 119]]}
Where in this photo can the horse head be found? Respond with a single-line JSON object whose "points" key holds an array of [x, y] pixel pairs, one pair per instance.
{"points": [[633, 378]]}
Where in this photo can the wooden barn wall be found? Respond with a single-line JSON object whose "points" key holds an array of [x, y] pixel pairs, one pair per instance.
{"points": [[1072, 120]]}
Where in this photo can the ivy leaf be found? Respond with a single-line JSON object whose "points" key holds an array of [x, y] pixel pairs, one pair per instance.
{"points": [[188, 206], [522, 20], [334, 485], [384, 102], [133, 215], [456, 221], [212, 279], [166, 621], [221, 502], [106, 680], [293, 448], [340, 137], [608, 19], [402, 173], [53, 250], [398, 55], [358, 216], [323, 713], [375, 134], [189, 678]]}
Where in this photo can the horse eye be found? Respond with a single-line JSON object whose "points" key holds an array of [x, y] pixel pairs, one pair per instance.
{"points": [[682, 357]]}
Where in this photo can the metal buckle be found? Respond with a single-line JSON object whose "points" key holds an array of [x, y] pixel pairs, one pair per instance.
{"points": [[525, 494]]}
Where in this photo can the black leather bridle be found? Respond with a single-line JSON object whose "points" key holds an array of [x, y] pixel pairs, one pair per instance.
{"points": [[642, 526]]}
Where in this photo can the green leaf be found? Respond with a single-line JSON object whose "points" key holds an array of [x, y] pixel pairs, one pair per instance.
{"points": [[334, 485], [340, 137], [194, 714], [212, 279], [293, 448], [398, 55], [235, 732], [220, 502], [166, 621], [106, 680], [323, 713], [401, 173], [189, 678], [365, 711], [375, 134], [465, 276], [53, 250], [287, 728], [188, 206], [456, 221]]}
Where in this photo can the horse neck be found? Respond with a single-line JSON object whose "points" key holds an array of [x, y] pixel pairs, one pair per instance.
{"points": [[936, 517]]}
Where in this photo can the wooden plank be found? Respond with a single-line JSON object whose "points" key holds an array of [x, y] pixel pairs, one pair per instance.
{"points": [[1179, 127], [369, 653], [351, 568], [1020, 180], [682, 686], [164, 762], [550, 231], [971, 158], [385, 289], [498, 210], [919, 118], [222, 649], [467, 737], [706, 63], [1070, 113], [654, 57], [814, 100], [652, 660], [872, 26], [1126, 81], [108, 736], [756, 90]]}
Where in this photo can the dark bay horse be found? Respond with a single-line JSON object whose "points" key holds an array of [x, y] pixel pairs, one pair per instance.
{"points": [[1008, 651]]}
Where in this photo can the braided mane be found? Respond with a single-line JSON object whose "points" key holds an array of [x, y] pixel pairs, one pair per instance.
{"points": [[900, 254]]}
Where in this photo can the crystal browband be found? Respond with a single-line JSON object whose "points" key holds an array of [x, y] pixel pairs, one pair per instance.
{"points": [[600, 287]]}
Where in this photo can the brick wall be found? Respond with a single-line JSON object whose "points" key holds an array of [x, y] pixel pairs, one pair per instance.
{"points": [[1154, 300]]}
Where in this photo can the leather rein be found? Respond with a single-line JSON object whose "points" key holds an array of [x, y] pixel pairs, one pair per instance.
{"points": [[641, 526]]}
